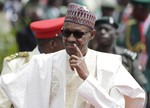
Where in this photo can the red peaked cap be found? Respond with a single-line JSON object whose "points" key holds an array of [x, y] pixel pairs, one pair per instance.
{"points": [[47, 28]]}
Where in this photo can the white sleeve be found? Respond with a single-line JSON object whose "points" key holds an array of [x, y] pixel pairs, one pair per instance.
{"points": [[96, 95], [4, 101], [23, 86], [124, 85], [128, 87]]}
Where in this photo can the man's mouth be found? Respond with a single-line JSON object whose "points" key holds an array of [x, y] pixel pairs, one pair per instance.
{"points": [[70, 45]]}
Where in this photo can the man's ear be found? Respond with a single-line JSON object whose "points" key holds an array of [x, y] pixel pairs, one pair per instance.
{"points": [[93, 32], [52, 44]]}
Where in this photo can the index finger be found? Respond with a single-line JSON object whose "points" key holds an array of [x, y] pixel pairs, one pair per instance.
{"points": [[79, 54]]}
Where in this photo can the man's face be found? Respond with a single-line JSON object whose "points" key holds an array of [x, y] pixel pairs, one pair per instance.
{"points": [[140, 12], [107, 11], [75, 37], [59, 44], [105, 34]]}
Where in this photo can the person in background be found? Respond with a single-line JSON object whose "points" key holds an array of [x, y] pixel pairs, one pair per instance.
{"points": [[137, 35], [107, 8], [48, 35], [49, 39], [76, 77], [53, 9], [30, 12], [123, 11], [122, 14]]}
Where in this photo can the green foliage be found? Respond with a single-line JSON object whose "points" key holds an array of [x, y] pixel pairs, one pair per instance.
{"points": [[8, 45]]}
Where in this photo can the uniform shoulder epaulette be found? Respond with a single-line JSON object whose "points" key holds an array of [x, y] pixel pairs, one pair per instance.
{"points": [[17, 55], [132, 55]]}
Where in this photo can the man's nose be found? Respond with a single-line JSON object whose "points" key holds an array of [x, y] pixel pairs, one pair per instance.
{"points": [[71, 37], [102, 31]]}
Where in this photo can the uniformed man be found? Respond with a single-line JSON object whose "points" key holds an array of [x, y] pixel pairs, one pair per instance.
{"points": [[107, 8], [47, 33], [105, 40], [137, 35], [138, 30]]}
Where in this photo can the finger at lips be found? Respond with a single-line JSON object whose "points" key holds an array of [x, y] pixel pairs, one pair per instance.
{"points": [[79, 54]]}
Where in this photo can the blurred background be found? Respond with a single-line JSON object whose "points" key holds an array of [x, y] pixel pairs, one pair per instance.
{"points": [[16, 16]]}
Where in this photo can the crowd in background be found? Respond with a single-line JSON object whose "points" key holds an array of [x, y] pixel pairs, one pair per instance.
{"points": [[133, 20]]}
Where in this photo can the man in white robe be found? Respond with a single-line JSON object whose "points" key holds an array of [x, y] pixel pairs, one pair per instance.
{"points": [[76, 77]]}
